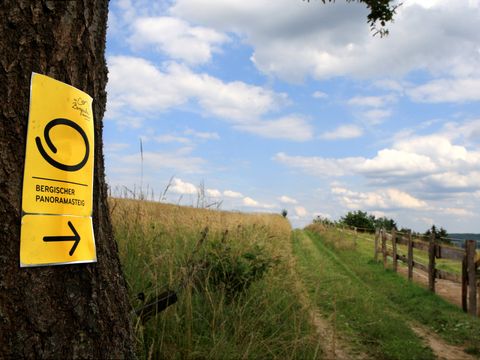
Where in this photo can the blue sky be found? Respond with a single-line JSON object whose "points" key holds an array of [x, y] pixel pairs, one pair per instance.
{"points": [[291, 104]]}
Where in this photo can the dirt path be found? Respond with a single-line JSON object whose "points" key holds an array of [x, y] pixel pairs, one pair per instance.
{"points": [[440, 348], [449, 290], [334, 348]]}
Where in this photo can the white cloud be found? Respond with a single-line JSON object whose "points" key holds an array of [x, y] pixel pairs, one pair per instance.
{"points": [[213, 193], [235, 101], [137, 85], [394, 162], [408, 158], [248, 201], [391, 85], [376, 200], [334, 40], [176, 38], [300, 211], [232, 194], [454, 181], [447, 90], [403, 200], [319, 95], [319, 166], [468, 132], [457, 212], [377, 112], [179, 186], [469, 129], [290, 128], [441, 150], [376, 116], [343, 132], [287, 200], [427, 4], [371, 101]]}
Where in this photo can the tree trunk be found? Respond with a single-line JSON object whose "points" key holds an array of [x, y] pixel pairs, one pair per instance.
{"points": [[73, 311]]}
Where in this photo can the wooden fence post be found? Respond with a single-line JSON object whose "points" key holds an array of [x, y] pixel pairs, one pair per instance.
{"points": [[431, 263], [377, 235], [464, 280], [394, 250], [478, 295], [472, 277], [410, 256], [384, 248]]}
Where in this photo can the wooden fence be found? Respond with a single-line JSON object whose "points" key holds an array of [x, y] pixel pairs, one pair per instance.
{"points": [[467, 256]]}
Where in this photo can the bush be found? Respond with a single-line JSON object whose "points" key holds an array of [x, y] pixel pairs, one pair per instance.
{"points": [[236, 272], [369, 222], [359, 219]]}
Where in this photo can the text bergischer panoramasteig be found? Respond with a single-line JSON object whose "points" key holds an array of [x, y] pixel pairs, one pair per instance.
{"points": [[58, 190]]}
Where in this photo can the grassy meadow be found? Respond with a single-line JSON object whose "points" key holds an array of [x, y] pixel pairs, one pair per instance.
{"points": [[249, 287], [386, 304], [232, 272]]}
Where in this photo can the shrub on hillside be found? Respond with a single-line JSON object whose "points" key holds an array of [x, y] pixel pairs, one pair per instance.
{"points": [[316, 227], [236, 272], [359, 219]]}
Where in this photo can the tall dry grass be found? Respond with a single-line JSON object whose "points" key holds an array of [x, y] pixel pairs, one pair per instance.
{"points": [[165, 246]]}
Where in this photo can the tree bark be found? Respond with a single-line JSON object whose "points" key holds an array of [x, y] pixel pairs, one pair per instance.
{"points": [[73, 311]]}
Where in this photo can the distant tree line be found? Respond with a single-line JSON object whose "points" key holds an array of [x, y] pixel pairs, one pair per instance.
{"points": [[369, 222], [441, 234], [360, 219]]}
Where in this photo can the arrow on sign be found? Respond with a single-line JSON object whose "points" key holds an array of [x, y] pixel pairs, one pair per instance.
{"points": [[75, 238]]}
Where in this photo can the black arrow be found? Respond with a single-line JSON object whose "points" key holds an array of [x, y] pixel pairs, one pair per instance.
{"points": [[75, 238]]}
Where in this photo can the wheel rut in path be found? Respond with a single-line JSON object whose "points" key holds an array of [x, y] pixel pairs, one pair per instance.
{"points": [[440, 348], [334, 347]]}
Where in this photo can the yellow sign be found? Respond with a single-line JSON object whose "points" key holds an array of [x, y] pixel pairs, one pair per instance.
{"points": [[58, 177], [56, 239]]}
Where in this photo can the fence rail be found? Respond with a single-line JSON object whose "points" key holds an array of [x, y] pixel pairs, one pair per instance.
{"points": [[467, 256]]}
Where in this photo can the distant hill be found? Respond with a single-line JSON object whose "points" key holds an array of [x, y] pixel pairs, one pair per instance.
{"points": [[459, 239]]}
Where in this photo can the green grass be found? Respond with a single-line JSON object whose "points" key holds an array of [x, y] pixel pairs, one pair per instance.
{"points": [[159, 247], [412, 301], [363, 316]]}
